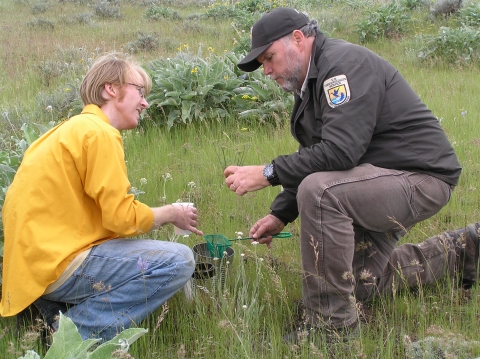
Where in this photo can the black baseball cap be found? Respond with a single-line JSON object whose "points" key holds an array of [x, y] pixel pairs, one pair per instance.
{"points": [[271, 27]]}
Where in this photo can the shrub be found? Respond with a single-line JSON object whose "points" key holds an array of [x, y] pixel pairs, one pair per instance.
{"points": [[41, 24], [445, 7], [144, 42], [85, 18], [192, 26], [107, 9], [50, 70], [39, 8], [388, 21], [64, 102]]}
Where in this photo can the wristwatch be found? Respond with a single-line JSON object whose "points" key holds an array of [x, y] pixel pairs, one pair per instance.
{"points": [[270, 174]]}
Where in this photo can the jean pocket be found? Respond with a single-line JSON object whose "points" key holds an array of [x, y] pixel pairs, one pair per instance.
{"points": [[78, 287], [428, 195]]}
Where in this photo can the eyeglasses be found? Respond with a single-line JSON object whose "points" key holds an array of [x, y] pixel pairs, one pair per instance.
{"points": [[141, 89]]}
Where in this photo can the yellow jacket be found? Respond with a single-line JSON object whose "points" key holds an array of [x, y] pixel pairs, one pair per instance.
{"points": [[69, 194]]}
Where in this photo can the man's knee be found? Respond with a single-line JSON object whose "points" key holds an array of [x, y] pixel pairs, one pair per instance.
{"points": [[186, 260], [309, 187]]}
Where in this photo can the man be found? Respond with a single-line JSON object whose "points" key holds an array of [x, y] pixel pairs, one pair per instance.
{"points": [[373, 161], [68, 210]]}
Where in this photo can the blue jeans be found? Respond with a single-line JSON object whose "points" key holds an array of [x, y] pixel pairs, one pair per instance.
{"points": [[119, 284]]}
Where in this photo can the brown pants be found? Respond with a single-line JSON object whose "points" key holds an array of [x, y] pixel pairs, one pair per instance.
{"points": [[350, 224]]}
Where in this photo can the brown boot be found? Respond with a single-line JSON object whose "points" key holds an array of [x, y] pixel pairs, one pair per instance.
{"points": [[466, 244]]}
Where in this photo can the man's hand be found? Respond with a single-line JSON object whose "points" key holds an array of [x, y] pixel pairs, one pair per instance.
{"points": [[265, 228], [243, 179], [182, 217]]}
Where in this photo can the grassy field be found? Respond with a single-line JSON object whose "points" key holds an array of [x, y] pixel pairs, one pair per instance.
{"points": [[262, 293]]}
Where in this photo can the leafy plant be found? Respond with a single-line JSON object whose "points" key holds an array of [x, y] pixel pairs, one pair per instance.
{"points": [[389, 20], [67, 343], [261, 98], [188, 88], [470, 15], [452, 46], [156, 12]]}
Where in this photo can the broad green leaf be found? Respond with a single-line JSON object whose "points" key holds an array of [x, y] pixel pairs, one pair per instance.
{"points": [[173, 94], [66, 340], [188, 96], [46, 128], [82, 351], [29, 133], [169, 102], [5, 168], [186, 110], [120, 342], [23, 145], [104, 352]]}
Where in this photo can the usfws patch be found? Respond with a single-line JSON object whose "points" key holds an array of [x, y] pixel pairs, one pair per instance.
{"points": [[337, 90]]}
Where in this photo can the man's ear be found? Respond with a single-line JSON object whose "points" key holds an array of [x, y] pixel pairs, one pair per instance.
{"points": [[110, 90], [297, 37]]}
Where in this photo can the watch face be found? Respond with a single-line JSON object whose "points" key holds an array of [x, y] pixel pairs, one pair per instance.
{"points": [[268, 170]]}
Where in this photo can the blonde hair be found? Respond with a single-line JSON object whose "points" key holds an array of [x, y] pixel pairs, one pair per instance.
{"points": [[111, 68]]}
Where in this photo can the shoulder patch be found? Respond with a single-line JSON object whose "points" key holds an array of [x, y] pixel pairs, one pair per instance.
{"points": [[336, 90]]}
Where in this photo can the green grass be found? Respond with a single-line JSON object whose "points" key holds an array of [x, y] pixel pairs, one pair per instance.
{"points": [[263, 287]]}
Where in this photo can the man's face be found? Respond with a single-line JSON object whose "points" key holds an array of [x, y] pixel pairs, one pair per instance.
{"points": [[129, 104], [284, 64]]}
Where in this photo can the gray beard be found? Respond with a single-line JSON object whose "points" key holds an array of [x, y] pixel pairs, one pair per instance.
{"points": [[292, 74]]}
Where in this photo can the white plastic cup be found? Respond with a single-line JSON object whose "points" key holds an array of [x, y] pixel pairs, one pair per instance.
{"points": [[178, 231]]}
